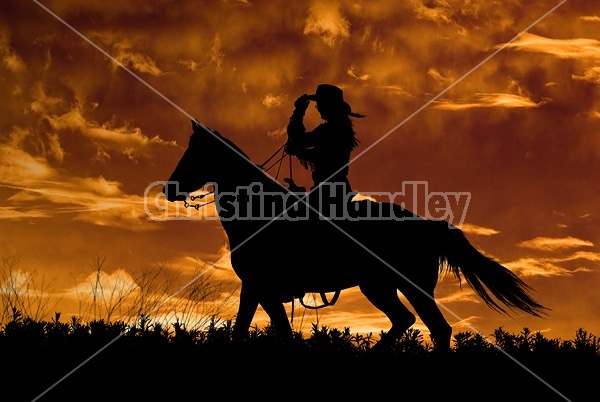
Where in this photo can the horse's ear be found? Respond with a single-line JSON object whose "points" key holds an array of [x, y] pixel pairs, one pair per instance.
{"points": [[196, 126]]}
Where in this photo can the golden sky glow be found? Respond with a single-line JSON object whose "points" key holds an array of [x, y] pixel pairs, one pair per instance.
{"points": [[81, 139]]}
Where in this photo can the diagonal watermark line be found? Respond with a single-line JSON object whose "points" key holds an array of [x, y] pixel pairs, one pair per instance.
{"points": [[337, 227]]}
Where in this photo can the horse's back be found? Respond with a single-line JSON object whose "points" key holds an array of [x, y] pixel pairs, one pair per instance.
{"points": [[291, 257]]}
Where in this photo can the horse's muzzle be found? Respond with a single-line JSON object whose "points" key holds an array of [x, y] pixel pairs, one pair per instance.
{"points": [[172, 193]]}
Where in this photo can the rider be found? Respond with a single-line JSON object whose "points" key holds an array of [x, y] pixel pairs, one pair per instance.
{"points": [[326, 149]]}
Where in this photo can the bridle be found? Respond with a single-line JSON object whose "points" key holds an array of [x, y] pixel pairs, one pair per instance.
{"points": [[198, 197], [262, 166]]}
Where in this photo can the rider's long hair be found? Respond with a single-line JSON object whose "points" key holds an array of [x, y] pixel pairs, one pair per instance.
{"points": [[343, 117], [341, 122]]}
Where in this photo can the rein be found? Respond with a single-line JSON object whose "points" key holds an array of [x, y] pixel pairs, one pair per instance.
{"points": [[280, 161]]}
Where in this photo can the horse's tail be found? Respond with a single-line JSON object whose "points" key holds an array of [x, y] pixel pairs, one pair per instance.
{"points": [[481, 272]]}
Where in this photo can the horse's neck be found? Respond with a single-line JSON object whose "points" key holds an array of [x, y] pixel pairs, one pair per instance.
{"points": [[234, 184], [238, 176], [240, 192]]}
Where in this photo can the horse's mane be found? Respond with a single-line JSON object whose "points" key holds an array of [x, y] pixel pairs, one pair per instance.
{"points": [[236, 148], [253, 167]]}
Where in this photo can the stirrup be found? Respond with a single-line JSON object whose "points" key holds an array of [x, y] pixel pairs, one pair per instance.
{"points": [[326, 303]]}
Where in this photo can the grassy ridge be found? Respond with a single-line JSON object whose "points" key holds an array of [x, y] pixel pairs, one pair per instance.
{"points": [[99, 360]]}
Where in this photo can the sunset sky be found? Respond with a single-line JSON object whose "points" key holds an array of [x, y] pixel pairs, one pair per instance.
{"points": [[82, 139]]}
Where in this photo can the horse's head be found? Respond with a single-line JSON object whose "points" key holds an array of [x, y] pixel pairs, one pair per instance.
{"points": [[208, 158], [191, 172]]}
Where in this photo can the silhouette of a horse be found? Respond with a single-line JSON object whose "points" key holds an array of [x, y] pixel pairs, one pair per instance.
{"points": [[278, 260]]}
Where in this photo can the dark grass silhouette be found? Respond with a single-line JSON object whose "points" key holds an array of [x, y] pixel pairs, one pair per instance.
{"points": [[154, 362], [278, 261]]}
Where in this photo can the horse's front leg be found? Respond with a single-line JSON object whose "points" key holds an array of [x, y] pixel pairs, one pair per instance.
{"points": [[246, 310], [279, 319]]}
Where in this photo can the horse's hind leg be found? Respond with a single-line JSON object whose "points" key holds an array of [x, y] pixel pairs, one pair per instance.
{"points": [[429, 312], [385, 298]]}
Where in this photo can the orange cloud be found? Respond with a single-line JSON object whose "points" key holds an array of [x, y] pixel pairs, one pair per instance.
{"points": [[352, 73], [90, 203], [42, 101], [126, 51], [26, 291], [541, 267], [461, 295], [440, 13], [125, 211], [326, 21], [437, 76], [127, 140], [591, 75], [137, 61], [216, 53], [220, 262], [18, 167], [584, 255], [552, 244], [397, 89], [91, 199], [10, 59], [98, 185], [578, 48], [190, 64], [534, 267], [478, 230], [118, 284], [14, 213], [488, 100], [271, 100]]}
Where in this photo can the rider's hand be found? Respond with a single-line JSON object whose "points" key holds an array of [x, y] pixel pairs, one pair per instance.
{"points": [[289, 149], [302, 102]]}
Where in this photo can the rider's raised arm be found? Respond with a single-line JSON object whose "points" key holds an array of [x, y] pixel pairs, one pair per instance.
{"points": [[295, 128]]}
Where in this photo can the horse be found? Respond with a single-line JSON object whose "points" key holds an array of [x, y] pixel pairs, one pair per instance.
{"points": [[293, 252]]}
